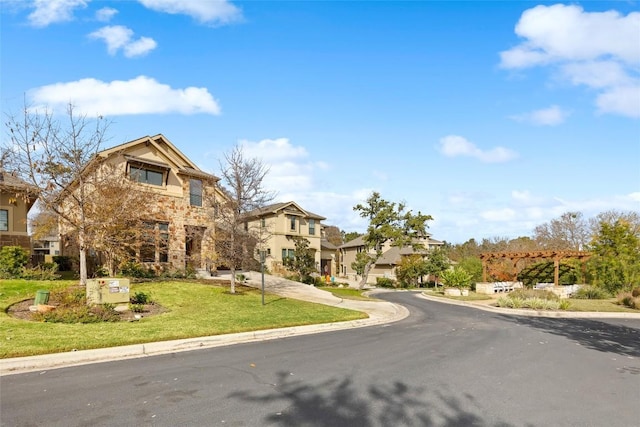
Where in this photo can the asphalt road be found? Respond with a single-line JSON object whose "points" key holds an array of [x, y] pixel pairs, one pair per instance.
{"points": [[442, 366]]}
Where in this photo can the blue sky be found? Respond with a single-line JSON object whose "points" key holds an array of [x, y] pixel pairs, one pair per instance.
{"points": [[493, 117]]}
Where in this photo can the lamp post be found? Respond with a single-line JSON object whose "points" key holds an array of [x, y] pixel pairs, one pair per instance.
{"points": [[262, 256]]}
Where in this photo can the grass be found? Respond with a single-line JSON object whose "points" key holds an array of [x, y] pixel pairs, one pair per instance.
{"points": [[194, 310], [347, 293], [600, 305], [471, 297], [609, 305]]}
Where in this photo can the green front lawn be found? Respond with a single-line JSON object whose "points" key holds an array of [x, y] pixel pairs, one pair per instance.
{"points": [[193, 310]]}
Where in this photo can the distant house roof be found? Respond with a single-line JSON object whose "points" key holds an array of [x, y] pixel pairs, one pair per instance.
{"points": [[395, 253], [325, 244], [358, 241], [291, 207], [10, 182]]}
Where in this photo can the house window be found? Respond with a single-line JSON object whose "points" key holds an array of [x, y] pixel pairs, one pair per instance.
{"points": [[195, 192], [146, 176], [263, 222], [287, 253], [292, 223], [312, 227], [4, 220], [155, 242]]}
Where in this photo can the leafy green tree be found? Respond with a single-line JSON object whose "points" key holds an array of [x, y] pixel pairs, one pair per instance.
{"points": [[473, 265], [388, 222], [615, 264], [303, 261], [437, 261], [410, 269], [347, 237], [456, 277]]}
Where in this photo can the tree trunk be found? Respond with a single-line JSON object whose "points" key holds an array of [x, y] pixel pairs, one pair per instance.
{"points": [[83, 259], [365, 275], [233, 280]]}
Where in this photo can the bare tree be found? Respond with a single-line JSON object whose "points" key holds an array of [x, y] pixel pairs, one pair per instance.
{"points": [[52, 158], [570, 232], [243, 184]]}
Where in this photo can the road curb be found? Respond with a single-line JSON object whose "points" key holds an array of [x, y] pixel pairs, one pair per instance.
{"points": [[18, 365], [534, 313]]}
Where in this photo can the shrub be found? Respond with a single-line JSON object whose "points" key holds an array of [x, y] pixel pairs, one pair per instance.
{"points": [[140, 298], [627, 299], [12, 260], [240, 277], [46, 271], [534, 293], [385, 282], [80, 314], [456, 277], [137, 270], [136, 308], [565, 304], [591, 292], [635, 292], [65, 263]]}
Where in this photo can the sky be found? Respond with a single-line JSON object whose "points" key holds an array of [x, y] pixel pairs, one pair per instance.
{"points": [[492, 117]]}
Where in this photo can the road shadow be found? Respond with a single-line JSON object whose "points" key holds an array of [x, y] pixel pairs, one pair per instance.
{"points": [[338, 403], [593, 334]]}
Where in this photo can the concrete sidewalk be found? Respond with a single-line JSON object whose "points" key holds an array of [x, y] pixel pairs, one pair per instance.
{"points": [[379, 312]]}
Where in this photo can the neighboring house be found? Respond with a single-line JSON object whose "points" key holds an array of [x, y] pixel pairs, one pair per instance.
{"points": [[178, 225], [47, 246], [16, 199], [280, 224], [328, 258], [386, 264]]}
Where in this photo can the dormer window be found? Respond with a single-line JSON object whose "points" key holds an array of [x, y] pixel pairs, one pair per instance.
{"points": [[147, 171], [146, 176]]}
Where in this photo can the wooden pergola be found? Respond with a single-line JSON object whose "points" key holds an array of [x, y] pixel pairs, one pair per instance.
{"points": [[514, 257]]}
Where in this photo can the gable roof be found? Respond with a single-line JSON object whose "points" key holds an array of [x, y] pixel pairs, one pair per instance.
{"points": [[290, 207], [10, 182], [171, 154]]}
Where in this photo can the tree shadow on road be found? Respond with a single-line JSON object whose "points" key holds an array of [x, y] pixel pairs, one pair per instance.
{"points": [[336, 403], [593, 334]]}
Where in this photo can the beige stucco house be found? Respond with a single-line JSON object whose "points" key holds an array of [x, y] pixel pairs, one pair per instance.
{"points": [[16, 200], [178, 223], [279, 224], [386, 264]]}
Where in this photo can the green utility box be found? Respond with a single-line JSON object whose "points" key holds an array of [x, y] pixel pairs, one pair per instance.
{"points": [[108, 290], [42, 297]]}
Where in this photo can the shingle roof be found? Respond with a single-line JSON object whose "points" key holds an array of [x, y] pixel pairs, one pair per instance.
{"points": [[275, 207], [9, 181], [358, 241]]}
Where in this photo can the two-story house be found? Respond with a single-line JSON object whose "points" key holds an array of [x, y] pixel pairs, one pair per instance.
{"points": [[16, 200], [280, 224], [178, 225], [387, 263]]}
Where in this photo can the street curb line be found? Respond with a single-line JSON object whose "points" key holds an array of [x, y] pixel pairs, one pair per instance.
{"points": [[19, 365], [535, 313]]}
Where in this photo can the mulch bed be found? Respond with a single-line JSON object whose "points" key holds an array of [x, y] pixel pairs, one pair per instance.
{"points": [[21, 311]]}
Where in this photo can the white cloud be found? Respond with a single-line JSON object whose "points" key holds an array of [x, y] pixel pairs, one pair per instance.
{"points": [[120, 37], [454, 146], [217, 12], [48, 12], [597, 49], [623, 100], [105, 14], [141, 95], [504, 214], [551, 116]]}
